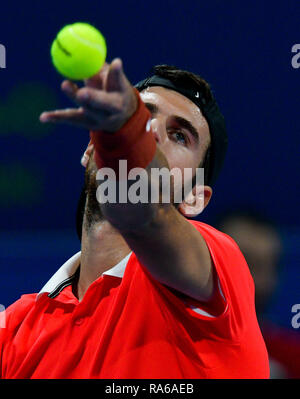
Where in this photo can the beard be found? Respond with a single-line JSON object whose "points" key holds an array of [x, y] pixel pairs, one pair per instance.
{"points": [[92, 211]]}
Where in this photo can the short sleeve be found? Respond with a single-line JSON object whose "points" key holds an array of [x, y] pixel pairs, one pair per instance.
{"points": [[231, 308], [234, 287]]}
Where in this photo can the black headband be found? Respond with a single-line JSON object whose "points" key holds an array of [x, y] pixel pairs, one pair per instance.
{"points": [[213, 116]]}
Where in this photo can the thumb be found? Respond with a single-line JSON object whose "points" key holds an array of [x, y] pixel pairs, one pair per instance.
{"points": [[116, 79]]}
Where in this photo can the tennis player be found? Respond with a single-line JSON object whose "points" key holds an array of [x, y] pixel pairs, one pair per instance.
{"points": [[151, 294]]}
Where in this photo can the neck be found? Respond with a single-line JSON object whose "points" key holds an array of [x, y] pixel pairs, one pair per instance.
{"points": [[102, 248]]}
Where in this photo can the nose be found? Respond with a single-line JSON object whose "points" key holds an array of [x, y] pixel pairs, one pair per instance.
{"points": [[157, 130]]}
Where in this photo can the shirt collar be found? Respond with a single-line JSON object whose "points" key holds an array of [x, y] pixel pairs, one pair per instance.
{"points": [[69, 268]]}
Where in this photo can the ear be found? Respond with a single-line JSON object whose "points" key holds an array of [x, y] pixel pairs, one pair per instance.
{"points": [[195, 202], [87, 153]]}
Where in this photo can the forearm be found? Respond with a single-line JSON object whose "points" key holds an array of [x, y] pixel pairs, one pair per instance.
{"points": [[165, 242], [133, 217], [135, 145]]}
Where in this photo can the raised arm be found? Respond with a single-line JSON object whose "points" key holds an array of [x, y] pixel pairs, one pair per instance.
{"points": [[168, 245]]}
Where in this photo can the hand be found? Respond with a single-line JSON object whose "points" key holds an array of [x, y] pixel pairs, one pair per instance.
{"points": [[105, 103]]}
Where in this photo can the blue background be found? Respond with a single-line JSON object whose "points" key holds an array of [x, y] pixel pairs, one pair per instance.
{"points": [[242, 49]]}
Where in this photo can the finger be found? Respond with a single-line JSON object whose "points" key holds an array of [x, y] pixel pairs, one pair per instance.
{"points": [[48, 116], [70, 116], [98, 100], [92, 99], [116, 79], [98, 80], [98, 115], [69, 88]]}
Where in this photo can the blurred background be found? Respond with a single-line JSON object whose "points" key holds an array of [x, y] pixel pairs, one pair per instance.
{"points": [[244, 51]]}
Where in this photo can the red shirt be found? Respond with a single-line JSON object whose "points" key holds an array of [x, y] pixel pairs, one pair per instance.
{"points": [[128, 325]]}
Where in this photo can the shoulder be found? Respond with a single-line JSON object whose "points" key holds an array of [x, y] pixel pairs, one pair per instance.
{"points": [[23, 303], [217, 239], [222, 247], [16, 312], [236, 282], [212, 233]]}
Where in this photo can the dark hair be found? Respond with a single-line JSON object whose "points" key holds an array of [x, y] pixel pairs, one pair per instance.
{"points": [[184, 78]]}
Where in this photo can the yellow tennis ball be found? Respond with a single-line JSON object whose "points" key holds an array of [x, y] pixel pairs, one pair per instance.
{"points": [[78, 51]]}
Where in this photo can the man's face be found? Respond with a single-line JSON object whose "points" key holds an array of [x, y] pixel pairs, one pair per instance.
{"points": [[181, 132]]}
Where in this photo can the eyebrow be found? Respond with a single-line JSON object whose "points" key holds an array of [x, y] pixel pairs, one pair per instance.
{"points": [[153, 108], [187, 125]]}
